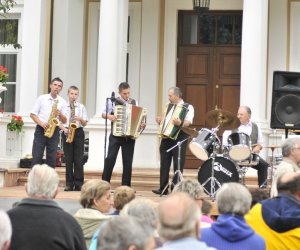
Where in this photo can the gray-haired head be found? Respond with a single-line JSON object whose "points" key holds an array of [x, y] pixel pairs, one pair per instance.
{"points": [[177, 91], [121, 232], [192, 187], [144, 209], [288, 145], [42, 182], [5, 230], [233, 198], [248, 110], [178, 217]]}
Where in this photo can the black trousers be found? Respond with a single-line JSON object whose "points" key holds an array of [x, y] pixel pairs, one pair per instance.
{"points": [[74, 159], [167, 157], [40, 142], [127, 147], [262, 171]]}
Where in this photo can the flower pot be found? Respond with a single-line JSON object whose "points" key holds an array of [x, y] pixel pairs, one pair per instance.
{"points": [[14, 143]]}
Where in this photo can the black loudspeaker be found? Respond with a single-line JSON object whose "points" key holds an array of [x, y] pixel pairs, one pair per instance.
{"points": [[285, 113]]}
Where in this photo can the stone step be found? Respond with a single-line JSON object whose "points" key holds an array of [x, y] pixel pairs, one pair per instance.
{"points": [[142, 179]]}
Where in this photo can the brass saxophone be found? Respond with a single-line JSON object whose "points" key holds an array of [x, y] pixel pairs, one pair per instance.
{"points": [[72, 125], [52, 121]]}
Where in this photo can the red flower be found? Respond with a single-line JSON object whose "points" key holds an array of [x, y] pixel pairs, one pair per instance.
{"points": [[3, 74], [16, 124]]}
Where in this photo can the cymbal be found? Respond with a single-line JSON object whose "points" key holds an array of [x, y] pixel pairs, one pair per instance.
{"points": [[191, 132], [223, 118]]}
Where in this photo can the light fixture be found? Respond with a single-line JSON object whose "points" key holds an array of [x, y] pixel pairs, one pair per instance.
{"points": [[201, 6]]}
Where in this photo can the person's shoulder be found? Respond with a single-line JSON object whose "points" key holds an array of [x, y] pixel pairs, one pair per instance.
{"points": [[43, 97]]}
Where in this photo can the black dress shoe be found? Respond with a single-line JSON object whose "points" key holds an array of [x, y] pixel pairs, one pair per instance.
{"points": [[68, 188], [77, 188], [159, 192]]}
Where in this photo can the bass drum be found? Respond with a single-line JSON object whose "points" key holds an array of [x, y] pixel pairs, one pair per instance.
{"points": [[225, 170]]}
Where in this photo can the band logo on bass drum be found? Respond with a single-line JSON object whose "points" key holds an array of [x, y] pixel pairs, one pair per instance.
{"points": [[218, 167]]}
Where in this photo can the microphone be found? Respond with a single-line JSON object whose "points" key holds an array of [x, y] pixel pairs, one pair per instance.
{"points": [[113, 98]]}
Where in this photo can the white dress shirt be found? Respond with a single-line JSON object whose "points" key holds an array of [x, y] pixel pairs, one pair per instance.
{"points": [[247, 129], [111, 105], [43, 106], [80, 111]]}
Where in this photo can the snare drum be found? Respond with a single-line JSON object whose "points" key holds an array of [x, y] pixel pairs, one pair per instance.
{"points": [[239, 146], [225, 170], [202, 146]]}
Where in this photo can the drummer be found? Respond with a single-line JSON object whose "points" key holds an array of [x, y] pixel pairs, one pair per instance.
{"points": [[254, 132]]}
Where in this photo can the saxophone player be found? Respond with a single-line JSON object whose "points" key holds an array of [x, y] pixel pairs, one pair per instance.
{"points": [[73, 140], [49, 109]]}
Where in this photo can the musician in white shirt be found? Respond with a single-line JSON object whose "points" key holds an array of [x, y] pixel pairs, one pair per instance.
{"points": [[254, 132], [116, 142], [74, 148], [40, 114], [175, 97]]}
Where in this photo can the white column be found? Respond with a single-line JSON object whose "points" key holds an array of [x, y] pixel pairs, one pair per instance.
{"points": [[112, 49], [254, 57], [68, 43], [150, 57], [111, 70], [254, 65], [33, 54]]}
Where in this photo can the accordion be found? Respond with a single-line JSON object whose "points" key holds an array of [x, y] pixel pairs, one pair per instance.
{"points": [[129, 119], [167, 128]]}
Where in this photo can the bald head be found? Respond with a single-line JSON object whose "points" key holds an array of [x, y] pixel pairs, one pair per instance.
{"points": [[178, 216], [244, 114]]}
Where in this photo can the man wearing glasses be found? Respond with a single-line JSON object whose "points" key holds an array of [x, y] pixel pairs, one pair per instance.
{"points": [[290, 163]]}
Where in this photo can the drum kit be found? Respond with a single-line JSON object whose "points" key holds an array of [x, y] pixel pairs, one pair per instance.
{"points": [[229, 166]]}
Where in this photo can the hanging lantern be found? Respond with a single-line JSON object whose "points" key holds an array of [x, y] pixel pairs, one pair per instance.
{"points": [[201, 6]]}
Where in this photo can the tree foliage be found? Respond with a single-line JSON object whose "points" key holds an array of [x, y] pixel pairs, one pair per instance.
{"points": [[6, 5], [8, 28]]}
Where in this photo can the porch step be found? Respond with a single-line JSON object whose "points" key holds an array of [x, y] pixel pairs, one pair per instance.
{"points": [[143, 179]]}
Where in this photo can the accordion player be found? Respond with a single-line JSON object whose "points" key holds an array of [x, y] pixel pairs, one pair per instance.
{"points": [[172, 111]]}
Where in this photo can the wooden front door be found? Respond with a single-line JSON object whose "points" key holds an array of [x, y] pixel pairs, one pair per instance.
{"points": [[209, 76]]}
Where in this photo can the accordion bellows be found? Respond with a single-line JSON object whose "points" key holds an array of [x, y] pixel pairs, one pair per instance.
{"points": [[167, 128], [129, 119]]}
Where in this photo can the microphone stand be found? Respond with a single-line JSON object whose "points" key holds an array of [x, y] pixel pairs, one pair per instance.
{"points": [[212, 180], [112, 99], [177, 173]]}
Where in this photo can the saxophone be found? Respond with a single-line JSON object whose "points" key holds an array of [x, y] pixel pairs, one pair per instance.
{"points": [[52, 121], [72, 125]]}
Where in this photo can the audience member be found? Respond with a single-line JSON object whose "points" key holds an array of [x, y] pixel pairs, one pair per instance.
{"points": [[38, 222], [96, 200], [194, 189], [277, 220], [122, 196], [5, 231], [258, 195], [231, 231], [179, 219], [125, 233], [290, 163], [143, 209], [206, 211], [146, 211]]}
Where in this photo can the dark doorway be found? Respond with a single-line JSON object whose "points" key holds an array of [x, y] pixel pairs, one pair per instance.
{"points": [[209, 62]]}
